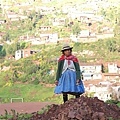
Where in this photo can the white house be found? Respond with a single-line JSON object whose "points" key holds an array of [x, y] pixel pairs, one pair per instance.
{"points": [[105, 90], [84, 33], [23, 53], [58, 21], [2, 21], [52, 37], [112, 68], [44, 10], [101, 92], [103, 95], [18, 54], [91, 70], [97, 76]]}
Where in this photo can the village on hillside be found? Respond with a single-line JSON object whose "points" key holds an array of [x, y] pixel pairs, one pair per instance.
{"points": [[103, 85]]}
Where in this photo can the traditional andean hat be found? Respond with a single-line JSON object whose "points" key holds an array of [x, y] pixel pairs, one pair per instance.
{"points": [[66, 47]]}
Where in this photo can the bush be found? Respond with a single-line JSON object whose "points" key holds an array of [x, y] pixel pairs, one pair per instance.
{"points": [[113, 102], [35, 82]]}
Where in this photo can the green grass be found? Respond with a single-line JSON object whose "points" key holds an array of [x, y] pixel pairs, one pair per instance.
{"points": [[29, 92], [113, 102], [118, 104]]}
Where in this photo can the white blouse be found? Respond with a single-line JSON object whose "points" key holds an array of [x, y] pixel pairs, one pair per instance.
{"points": [[68, 66]]}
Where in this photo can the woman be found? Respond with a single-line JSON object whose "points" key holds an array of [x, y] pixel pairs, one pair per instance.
{"points": [[68, 77]]}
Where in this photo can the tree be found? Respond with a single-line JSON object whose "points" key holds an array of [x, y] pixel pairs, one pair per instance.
{"points": [[117, 30], [2, 51], [22, 45], [76, 28], [111, 45], [10, 49]]}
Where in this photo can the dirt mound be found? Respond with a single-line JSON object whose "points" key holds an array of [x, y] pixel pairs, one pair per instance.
{"points": [[82, 108]]}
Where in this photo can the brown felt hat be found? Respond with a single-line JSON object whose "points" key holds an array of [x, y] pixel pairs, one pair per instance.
{"points": [[66, 47]]}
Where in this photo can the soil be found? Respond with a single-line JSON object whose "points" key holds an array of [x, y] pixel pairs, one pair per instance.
{"points": [[25, 107]]}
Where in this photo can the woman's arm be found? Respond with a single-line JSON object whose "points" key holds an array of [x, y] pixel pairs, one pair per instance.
{"points": [[78, 71], [59, 69]]}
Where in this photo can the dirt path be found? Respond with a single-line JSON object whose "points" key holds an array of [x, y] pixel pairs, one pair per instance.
{"points": [[25, 107]]}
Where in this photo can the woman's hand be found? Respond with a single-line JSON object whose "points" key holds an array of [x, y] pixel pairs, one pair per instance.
{"points": [[56, 82], [78, 82]]}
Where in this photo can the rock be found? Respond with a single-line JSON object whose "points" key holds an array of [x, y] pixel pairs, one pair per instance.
{"points": [[71, 114]]}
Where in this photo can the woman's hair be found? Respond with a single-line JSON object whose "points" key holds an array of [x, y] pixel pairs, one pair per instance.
{"points": [[64, 50]]}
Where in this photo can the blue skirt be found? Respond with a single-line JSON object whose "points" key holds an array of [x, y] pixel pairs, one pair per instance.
{"points": [[67, 84]]}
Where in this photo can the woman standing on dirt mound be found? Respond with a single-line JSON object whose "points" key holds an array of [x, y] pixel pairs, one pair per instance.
{"points": [[68, 76]]}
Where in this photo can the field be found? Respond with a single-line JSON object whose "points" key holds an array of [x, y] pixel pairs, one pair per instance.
{"points": [[29, 93]]}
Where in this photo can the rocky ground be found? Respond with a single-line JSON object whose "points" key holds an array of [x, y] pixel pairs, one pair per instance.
{"points": [[82, 108]]}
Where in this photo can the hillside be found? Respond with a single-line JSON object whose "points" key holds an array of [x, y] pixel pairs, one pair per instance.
{"points": [[38, 66]]}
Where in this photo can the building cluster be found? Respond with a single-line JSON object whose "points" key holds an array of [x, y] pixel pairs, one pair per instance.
{"points": [[71, 12], [105, 86], [95, 71]]}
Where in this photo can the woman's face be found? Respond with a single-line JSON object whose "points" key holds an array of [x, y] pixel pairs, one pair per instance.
{"points": [[67, 52]]}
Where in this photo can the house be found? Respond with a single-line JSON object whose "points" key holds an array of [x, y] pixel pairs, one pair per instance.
{"points": [[38, 41], [90, 38], [15, 17], [23, 53], [42, 39], [22, 17], [87, 39], [100, 91], [104, 91], [85, 36], [11, 15], [112, 68], [58, 21], [18, 54], [23, 37], [51, 37], [68, 8], [110, 76], [2, 21], [44, 10], [64, 40], [81, 15], [89, 35], [118, 65], [91, 71], [83, 39], [103, 94], [84, 33], [105, 35], [45, 28]]}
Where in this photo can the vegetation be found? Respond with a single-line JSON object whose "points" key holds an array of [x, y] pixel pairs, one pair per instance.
{"points": [[21, 116], [37, 68], [113, 102], [28, 92]]}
